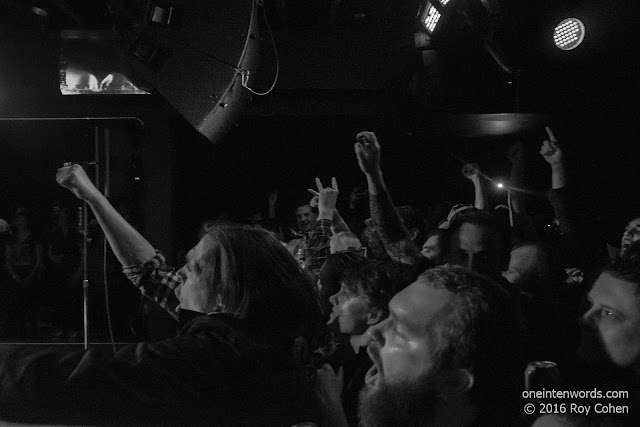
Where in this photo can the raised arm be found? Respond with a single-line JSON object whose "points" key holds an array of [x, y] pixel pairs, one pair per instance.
{"points": [[395, 236], [128, 245], [154, 279], [471, 171], [552, 153], [326, 199]]}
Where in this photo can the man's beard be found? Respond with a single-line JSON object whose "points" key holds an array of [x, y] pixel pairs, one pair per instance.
{"points": [[410, 403]]}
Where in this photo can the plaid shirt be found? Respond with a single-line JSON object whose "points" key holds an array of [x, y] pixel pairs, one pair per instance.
{"points": [[318, 245], [156, 281]]}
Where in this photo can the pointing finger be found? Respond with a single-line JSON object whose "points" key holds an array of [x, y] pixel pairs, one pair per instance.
{"points": [[319, 184], [334, 183], [314, 192], [552, 137]]}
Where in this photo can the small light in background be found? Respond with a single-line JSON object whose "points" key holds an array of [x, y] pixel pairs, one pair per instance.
{"points": [[500, 185], [137, 178], [568, 34], [39, 12]]}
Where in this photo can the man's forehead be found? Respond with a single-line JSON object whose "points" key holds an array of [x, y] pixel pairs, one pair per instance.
{"points": [[303, 209], [420, 304], [615, 293]]}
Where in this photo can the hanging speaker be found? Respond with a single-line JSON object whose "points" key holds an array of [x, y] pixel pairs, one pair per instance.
{"points": [[195, 54]]}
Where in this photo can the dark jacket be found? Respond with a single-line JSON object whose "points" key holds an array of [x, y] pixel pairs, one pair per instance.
{"points": [[215, 372]]}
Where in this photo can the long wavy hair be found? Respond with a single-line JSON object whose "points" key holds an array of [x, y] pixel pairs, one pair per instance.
{"points": [[259, 281]]}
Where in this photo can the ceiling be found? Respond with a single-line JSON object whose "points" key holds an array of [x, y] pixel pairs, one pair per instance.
{"points": [[349, 49]]}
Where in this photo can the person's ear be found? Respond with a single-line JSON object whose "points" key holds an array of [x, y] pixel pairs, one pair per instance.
{"points": [[460, 381], [374, 316], [414, 233]]}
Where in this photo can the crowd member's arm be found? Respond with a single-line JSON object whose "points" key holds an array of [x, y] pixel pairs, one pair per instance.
{"points": [[142, 264], [328, 388], [472, 173], [318, 246], [581, 239], [339, 224], [395, 236], [516, 157]]}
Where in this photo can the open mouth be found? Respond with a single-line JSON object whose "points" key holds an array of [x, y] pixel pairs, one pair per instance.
{"points": [[332, 318]]}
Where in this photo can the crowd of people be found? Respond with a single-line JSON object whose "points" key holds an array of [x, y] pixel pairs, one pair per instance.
{"points": [[41, 279], [380, 320]]}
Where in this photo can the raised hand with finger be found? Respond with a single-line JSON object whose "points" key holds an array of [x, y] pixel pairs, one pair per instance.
{"points": [[327, 198], [550, 149]]}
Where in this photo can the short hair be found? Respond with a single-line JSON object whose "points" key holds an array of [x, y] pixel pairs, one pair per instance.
{"points": [[371, 278], [481, 333], [332, 272], [627, 268], [258, 280], [349, 239]]}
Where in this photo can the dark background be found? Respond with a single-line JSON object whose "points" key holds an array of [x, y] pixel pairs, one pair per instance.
{"points": [[339, 74]]}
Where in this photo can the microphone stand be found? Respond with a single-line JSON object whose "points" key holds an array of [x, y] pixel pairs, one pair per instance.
{"points": [[85, 273]]}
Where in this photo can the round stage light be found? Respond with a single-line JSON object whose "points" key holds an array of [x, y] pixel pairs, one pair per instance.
{"points": [[568, 34]]}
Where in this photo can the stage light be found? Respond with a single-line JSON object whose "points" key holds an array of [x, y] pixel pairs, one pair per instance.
{"points": [[500, 185], [432, 17], [444, 2], [568, 34]]}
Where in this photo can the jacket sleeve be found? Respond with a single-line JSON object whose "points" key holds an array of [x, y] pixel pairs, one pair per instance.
{"points": [[156, 281]]}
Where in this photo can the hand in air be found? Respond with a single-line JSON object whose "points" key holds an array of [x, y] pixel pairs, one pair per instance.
{"points": [[368, 152], [327, 197], [74, 178], [471, 171], [328, 384], [550, 149]]}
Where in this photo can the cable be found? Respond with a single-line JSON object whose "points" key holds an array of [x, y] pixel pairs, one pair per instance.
{"points": [[107, 191], [245, 73]]}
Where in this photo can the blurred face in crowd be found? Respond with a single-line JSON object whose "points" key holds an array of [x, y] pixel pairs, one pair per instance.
{"points": [[343, 241], [522, 264], [476, 248], [353, 312], [305, 218], [403, 348], [431, 248], [630, 235], [615, 311], [195, 293]]}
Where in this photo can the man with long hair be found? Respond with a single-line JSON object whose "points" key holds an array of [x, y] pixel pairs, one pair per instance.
{"points": [[241, 302]]}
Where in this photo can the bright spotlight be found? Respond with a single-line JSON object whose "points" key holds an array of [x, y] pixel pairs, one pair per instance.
{"points": [[568, 34], [39, 12], [431, 19], [500, 185]]}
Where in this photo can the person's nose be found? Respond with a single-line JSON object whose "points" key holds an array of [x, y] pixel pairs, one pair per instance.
{"points": [[376, 332], [587, 318], [333, 299]]}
